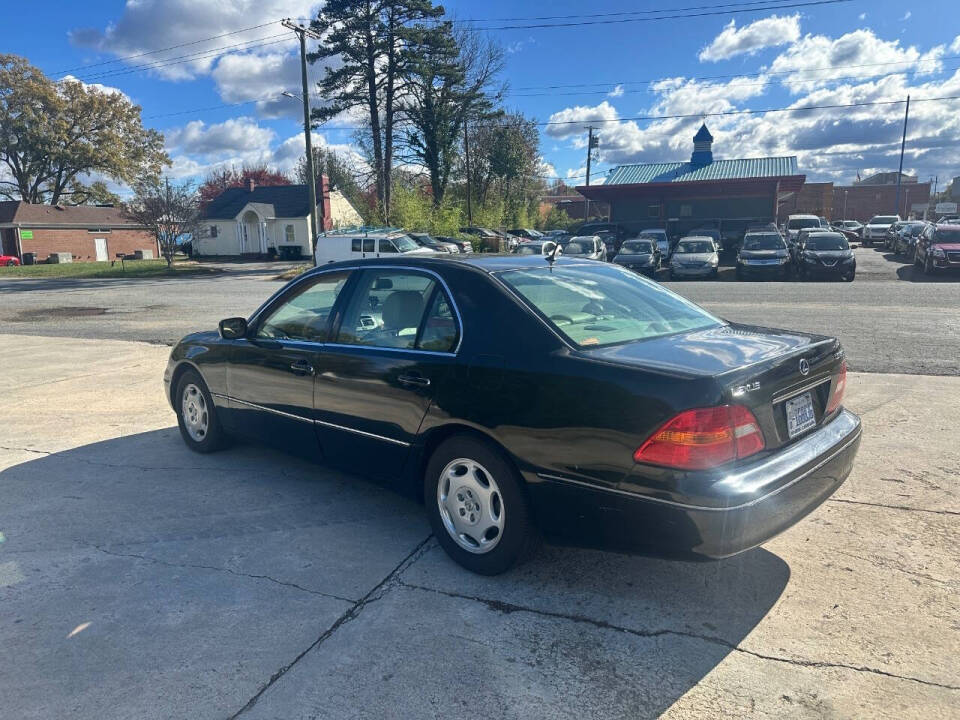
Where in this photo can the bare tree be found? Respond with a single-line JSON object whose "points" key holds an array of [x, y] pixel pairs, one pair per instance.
{"points": [[170, 210]]}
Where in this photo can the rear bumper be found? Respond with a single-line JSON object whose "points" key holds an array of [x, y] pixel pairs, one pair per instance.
{"points": [[730, 512]]}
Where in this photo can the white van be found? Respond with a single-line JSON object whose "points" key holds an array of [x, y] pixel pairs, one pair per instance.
{"points": [[337, 245]]}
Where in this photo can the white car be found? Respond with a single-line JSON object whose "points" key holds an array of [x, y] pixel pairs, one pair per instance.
{"points": [[695, 257], [659, 236], [796, 223], [876, 229], [588, 247], [337, 245]]}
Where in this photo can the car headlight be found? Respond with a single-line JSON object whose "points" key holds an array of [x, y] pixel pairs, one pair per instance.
{"points": [[715, 261], [849, 259], [938, 252]]}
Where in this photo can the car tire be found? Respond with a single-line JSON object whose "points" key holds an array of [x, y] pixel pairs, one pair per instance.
{"points": [[490, 482], [849, 277], [197, 418], [11, 263]]}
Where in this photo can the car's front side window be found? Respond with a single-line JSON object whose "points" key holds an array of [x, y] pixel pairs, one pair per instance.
{"points": [[388, 310], [306, 314]]}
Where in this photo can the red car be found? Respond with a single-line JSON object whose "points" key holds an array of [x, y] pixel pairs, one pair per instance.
{"points": [[9, 260], [938, 248]]}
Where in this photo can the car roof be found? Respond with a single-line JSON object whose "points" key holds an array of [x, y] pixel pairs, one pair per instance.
{"points": [[654, 230], [803, 216], [482, 262], [697, 237], [948, 226]]}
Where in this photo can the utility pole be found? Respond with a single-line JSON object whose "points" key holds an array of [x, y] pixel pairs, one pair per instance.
{"points": [[466, 152], [591, 144], [903, 144], [302, 33], [844, 204]]}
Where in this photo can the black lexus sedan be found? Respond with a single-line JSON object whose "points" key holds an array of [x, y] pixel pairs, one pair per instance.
{"points": [[522, 396], [641, 255], [763, 254], [826, 254]]}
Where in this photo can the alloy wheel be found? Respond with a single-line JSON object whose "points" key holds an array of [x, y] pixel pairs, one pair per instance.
{"points": [[471, 505], [196, 415]]}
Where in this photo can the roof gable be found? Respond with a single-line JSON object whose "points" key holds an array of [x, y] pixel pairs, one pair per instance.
{"points": [[288, 201]]}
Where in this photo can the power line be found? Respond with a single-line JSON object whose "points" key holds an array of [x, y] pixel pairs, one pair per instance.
{"points": [[607, 14], [172, 47]]}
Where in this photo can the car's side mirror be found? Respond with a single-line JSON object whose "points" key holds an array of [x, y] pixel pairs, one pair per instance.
{"points": [[233, 328]]}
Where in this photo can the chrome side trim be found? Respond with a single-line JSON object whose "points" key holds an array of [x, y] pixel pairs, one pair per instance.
{"points": [[345, 268], [762, 471], [300, 418], [790, 392], [389, 349]]}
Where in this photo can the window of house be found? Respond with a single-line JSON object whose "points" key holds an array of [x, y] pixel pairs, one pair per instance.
{"points": [[686, 210], [214, 231], [653, 210], [98, 231], [290, 236]]}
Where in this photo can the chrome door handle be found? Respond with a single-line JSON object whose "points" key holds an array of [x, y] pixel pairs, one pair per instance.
{"points": [[301, 367], [417, 380]]}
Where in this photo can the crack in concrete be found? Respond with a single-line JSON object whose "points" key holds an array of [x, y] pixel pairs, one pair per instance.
{"points": [[891, 565], [507, 608], [376, 593], [29, 450], [223, 569], [894, 507]]}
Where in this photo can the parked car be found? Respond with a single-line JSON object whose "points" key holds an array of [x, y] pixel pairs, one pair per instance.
{"points": [[659, 236], [938, 248], [796, 223], [465, 245], [890, 238], [595, 228], [526, 234], [826, 254], [695, 257], [906, 244], [876, 229], [848, 225], [765, 255], [537, 247], [489, 240], [9, 260], [588, 247], [949, 220], [640, 254], [435, 244], [516, 395], [711, 233], [337, 245]]}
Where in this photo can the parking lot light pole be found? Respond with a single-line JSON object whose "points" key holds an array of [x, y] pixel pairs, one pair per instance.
{"points": [[844, 204], [903, 145], [302, 33]]}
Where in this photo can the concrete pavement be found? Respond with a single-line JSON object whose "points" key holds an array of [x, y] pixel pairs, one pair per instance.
{"points": [[138, 579]]}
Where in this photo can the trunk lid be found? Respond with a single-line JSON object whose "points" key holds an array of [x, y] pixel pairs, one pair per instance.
{"points": [[760, 368]]}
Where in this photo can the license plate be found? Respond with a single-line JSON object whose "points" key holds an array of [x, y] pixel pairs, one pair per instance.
{"points": [[800, 414]]}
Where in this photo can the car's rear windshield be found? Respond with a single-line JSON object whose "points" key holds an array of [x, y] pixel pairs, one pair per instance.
{"points": [[946, 236], [577, 247], [883, 220], [637, 246], [695, 246], [827, 242], [529, 249], [763, 242], [798, 223], [605, 304], [655, 236]]}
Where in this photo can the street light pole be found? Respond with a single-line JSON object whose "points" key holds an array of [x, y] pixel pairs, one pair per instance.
{"points": [[302, 33], [903, 145]]}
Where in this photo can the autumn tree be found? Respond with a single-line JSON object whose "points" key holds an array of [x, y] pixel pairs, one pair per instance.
{"points": [[220, 179], [55, 135], [372, 41], [171, 210]]}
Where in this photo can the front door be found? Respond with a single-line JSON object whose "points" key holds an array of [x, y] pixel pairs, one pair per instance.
{"points": [[101, 249], [395, 345], [270, 378]]}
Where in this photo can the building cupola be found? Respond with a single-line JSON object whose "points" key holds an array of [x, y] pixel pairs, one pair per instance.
{"points": [[702, 147]]}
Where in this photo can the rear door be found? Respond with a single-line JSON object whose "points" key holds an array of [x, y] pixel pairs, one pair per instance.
{"points": [[395, 345]]}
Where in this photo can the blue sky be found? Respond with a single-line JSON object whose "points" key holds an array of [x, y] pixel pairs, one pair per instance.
{"points": [[879, 51]]}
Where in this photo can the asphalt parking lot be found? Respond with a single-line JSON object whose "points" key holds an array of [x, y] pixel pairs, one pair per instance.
{"points": [[890, 319], [138, 579]]}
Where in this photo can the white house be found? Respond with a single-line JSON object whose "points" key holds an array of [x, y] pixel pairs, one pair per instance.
{"points": [[268, 220]]}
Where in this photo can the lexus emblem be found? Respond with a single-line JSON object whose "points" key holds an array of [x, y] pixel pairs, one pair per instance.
{"points": [[804, 367]]}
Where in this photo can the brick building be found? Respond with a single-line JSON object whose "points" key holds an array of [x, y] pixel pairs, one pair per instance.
{"points": [[862, 202], [573, 205], [88, 232], [812, 199]]}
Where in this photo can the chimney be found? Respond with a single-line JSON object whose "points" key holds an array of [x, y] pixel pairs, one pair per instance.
{"points": [[702, 147], [251, 184]]}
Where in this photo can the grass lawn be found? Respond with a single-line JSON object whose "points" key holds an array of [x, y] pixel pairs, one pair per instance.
{"points": [[129, 269]]}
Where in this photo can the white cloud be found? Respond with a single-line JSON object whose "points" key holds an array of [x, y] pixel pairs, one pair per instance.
{"points": [[106, 89], [906, 15], [236, 136], [955, 45], [862, 16], [616, 92], [751, 39]]}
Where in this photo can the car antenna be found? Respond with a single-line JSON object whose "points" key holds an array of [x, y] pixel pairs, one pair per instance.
{"points": [[552, 255]]}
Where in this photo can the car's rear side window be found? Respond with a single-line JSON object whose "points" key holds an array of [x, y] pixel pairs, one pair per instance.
{"points": [[604, 304]]}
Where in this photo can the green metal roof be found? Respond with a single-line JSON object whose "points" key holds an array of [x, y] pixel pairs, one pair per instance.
{"points": [[717, 170]]}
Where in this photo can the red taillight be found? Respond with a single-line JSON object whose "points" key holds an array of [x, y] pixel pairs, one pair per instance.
{"points": [[839, 385], [703, 438]]}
